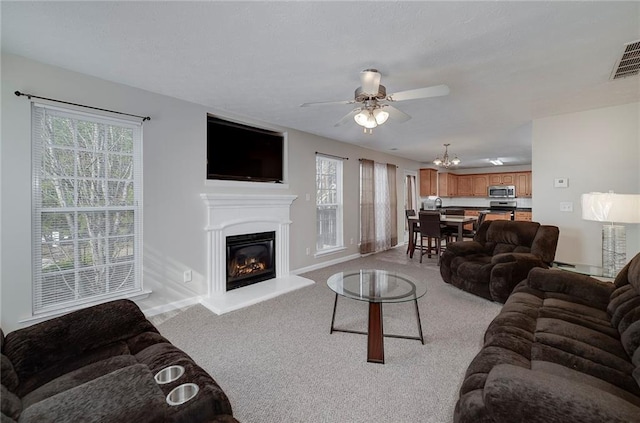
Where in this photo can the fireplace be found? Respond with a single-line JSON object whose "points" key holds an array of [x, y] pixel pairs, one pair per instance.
{"points": [[231, 215], [250, 259]]}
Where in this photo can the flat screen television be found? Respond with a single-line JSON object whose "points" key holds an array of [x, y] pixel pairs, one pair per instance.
{"points": [[243, 153]]}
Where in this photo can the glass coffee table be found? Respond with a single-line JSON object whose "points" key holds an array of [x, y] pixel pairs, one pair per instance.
{"points": [[376, 287]]}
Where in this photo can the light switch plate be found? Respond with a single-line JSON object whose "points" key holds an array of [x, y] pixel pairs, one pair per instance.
{"points": [[566, 206], [561, 183]]}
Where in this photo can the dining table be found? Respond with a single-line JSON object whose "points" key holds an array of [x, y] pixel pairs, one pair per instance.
{"points": [[454, 221]]}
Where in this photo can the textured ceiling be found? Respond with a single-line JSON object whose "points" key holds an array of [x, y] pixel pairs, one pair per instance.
{"points": [[506, 63]]}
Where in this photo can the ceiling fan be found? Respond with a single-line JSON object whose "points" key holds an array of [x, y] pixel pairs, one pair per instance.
{"points": [[372, 99]]}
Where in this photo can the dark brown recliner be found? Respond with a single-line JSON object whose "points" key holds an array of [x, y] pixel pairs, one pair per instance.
{"points": [[500, 256]]}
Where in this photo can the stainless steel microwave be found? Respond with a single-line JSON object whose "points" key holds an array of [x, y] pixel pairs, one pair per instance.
{"points": [[502, 191]]}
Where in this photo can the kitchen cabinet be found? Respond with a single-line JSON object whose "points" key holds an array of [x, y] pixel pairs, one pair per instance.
{"points": [[465, 186], [479, 185], [501, 179], [447, 185], [428, 182], [522, 215], [472, 186], [523, 184], [497, 216]]}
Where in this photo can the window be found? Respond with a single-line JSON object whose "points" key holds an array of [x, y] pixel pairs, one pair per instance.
{"points": [[87, 192], [328, 204]]}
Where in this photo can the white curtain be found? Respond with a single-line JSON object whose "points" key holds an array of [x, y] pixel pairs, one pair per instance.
{"points": [[382, 206], [378, 206]]}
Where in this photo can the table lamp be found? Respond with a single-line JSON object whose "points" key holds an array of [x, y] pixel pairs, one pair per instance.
{"points": [[612, 208]]}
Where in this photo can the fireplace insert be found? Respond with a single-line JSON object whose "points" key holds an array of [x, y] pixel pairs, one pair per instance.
{"points": [[250, 259]]}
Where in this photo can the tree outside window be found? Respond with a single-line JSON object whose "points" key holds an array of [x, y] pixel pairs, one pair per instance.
{"points": [[328, 204], [87, 222]]}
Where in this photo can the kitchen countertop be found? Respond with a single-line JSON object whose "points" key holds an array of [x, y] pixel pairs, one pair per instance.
{"points": [[523, 209]]}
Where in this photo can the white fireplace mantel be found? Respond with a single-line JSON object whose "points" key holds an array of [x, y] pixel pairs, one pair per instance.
{"points": [[238, 214]]}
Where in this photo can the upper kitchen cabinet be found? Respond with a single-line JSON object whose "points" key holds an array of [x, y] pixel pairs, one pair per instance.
{"points": [[428, 182], [479, 185], [472, 185], [465, 186], [447, 185], [523, 184], [501, 179]]}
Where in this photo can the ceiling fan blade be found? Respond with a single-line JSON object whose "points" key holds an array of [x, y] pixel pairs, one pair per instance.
{"points": [[396, 114], [433, 91], [370, 81], [348, 117], [327, 103]]}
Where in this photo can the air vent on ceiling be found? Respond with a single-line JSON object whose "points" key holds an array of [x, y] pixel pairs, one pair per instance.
{"points": [[629, 63]]}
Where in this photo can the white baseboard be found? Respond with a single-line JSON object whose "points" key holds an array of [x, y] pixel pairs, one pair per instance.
{"points": [[325, 264], [175, 305]]}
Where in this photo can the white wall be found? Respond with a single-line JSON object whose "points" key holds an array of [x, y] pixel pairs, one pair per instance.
{"points": [[598, 150], [174, 176]]}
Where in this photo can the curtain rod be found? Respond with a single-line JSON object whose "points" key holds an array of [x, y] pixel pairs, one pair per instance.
{"points": [[375, 162], [331, 155], [29, 96]]}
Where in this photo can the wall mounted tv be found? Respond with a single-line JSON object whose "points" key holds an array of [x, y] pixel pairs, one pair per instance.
{"points": [[243, 153]]}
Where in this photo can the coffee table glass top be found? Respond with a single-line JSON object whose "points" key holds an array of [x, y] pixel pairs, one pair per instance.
{"points": [[377, 286]]}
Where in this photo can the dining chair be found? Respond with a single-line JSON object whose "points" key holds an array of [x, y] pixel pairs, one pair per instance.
{"points": [[411, 213], [430, 228], [470, 234]]}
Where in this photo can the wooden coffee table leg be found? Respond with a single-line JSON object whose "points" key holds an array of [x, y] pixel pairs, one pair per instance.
{"points": [[375, 338]]}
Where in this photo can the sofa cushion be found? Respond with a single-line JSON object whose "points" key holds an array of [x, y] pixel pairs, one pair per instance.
{"points": [[616, 376], [125, 395], [473, 268], [506, 232], [8, 374], [514, 394], [10, 404], [77, 377], [584, 379], [70, 364], [144, 340], [38, 347]]}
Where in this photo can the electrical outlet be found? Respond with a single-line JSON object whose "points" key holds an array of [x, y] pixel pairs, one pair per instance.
{"points": [[308, 250], [308, 196], [187, 276], [566, 206], [351, 241]]}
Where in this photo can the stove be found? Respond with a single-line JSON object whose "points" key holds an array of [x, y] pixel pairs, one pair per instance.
{"points": [[503, 207]]}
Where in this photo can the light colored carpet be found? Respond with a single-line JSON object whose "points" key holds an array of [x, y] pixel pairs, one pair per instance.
{"points": [[277, 361]]}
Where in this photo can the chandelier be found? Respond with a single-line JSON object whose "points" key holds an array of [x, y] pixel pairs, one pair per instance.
{"points": [[370, 117], [444, 161]]}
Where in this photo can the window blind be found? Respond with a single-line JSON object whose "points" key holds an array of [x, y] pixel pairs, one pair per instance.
{"points": [[87, 217]]}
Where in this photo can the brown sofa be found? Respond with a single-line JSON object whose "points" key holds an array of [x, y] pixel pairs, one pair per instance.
{"points": [[564, 348], [500, 256], [98, 365]]}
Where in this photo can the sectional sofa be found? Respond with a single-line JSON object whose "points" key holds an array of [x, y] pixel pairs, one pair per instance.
{"points": [[564, 348], [100, 364]]}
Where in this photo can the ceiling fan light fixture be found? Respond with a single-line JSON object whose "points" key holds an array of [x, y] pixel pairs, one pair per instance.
{"points": [[381, 116], [367, 119], [361, 118], [370, 123]]}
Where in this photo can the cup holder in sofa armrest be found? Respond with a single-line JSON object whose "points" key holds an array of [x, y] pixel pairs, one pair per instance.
{"points": [[169, 374], [183, 393]]}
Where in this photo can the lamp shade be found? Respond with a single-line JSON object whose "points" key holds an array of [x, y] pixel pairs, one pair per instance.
{"points": [[610, 207]]}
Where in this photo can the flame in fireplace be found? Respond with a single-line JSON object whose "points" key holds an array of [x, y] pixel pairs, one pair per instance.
{"points": [[246, 266]]}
